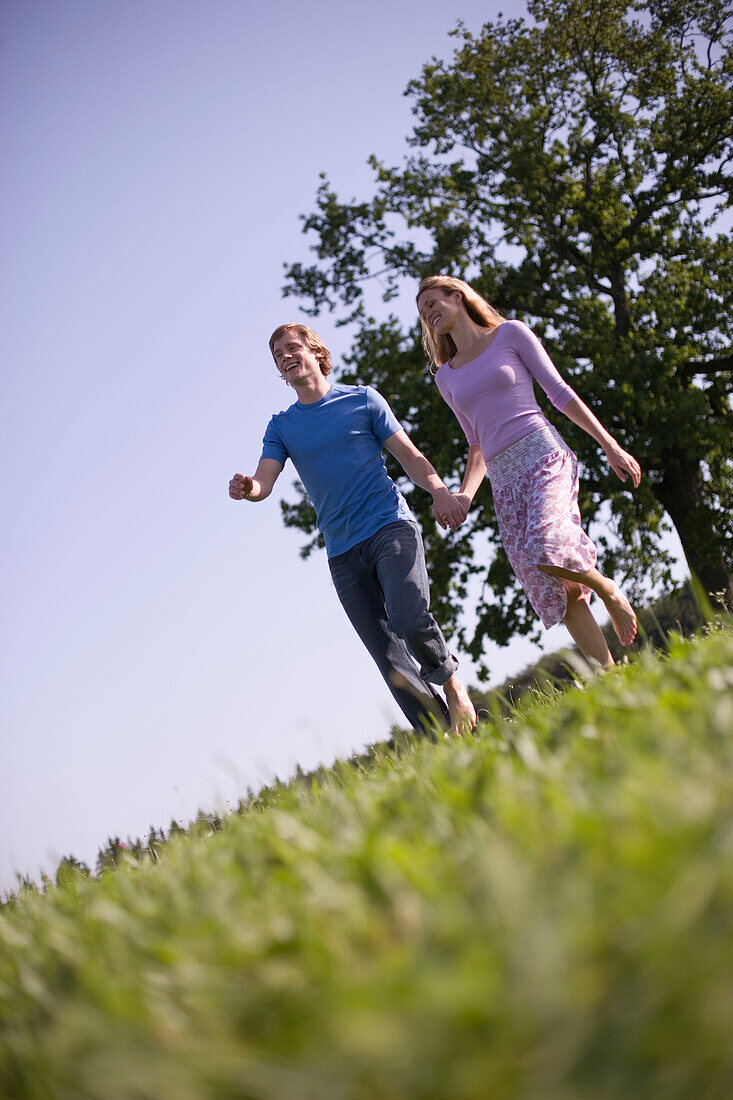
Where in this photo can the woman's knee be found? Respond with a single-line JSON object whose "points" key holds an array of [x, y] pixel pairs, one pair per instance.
{"points": [[576, 609], [574, 592]]}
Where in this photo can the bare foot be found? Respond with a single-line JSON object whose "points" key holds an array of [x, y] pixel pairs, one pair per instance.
{"points": [[622, 614], [461, 709]]}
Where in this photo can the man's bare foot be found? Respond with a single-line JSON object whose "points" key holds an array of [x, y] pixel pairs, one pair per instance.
{"points": [[461, 709], [622, 614]]}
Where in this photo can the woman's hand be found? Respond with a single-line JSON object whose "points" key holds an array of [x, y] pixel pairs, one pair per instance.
{"points": [[465, 501], [450, 509], [623, 464]]}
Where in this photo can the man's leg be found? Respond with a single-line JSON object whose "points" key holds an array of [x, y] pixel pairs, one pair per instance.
{"points": [[361, 596], [399, 559]]}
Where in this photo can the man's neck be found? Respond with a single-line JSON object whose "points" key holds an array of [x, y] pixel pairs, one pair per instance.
{"points": [[312, 390]]}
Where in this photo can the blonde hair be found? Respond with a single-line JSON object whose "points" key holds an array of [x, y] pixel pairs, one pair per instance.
{"points": [[439, 349], [310, 338]]}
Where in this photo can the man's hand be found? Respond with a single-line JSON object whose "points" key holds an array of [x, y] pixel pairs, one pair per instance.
{"points": [[241, 487], [258, 487], [449, 511]]}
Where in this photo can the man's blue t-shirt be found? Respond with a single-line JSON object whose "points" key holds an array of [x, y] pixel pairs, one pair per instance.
{"points": [[336, 447]]}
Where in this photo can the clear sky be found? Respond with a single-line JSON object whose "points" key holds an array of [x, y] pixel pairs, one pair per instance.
{"points": [[163, 647]]}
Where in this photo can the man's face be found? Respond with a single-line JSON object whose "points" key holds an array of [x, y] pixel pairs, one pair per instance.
{"points": [[295, 360]]}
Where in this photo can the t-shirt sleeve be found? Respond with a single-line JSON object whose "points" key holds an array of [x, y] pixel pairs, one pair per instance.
{"points": [[541, 367], [383, 420], [467, 429], [272, 444]]}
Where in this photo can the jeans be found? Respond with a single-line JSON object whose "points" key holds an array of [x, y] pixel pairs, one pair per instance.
{"points": [[382, 584]]}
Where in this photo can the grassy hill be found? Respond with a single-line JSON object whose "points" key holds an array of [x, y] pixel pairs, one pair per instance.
{"points": [[541, 911], [677, 612]]}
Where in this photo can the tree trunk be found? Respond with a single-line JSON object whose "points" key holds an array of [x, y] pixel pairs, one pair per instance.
{"points": [[621, 306], [680, 491]]}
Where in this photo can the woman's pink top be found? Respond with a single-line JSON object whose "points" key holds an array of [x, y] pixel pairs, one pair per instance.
{"points": [[493, 396]]}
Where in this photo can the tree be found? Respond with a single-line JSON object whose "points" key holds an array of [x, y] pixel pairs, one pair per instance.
{"points": [[69, 869], [574, 169], [111, 855]]}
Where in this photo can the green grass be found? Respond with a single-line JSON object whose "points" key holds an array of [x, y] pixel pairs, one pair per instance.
{"points": [[542, 911]]}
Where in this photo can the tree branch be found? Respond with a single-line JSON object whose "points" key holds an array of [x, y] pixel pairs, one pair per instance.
{"points": [[708, 367]]}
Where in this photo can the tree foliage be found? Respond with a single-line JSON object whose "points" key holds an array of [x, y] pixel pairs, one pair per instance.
{"points": [[574, 167]]}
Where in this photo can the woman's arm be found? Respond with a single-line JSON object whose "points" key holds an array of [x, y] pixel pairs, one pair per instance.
{"points": [[621, 462], [563, 397], [474, 475]]}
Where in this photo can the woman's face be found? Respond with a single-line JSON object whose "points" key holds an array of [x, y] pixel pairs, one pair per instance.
{"points": [[439, 309]]}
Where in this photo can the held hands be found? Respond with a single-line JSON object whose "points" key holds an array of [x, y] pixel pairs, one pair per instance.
{"points": [[623, 464], [450, 509], [241, 487]]}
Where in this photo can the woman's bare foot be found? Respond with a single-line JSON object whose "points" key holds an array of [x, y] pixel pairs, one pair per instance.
{"points": [[621, 612], [461, 709]]}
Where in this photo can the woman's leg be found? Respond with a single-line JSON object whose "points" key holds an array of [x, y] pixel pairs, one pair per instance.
{"points": [[583, 628], [618, 607]]}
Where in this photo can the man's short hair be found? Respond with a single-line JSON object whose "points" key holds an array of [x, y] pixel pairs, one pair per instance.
{"points": [[310, 338]]}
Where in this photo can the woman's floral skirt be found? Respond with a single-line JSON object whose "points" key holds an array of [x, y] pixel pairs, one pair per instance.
{"points": [[535, 488]]}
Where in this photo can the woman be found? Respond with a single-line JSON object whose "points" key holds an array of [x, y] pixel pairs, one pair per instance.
{"points": [[484, 367]]}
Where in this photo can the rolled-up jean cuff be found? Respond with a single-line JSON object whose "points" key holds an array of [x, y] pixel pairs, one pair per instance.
{"points": [[442, 673]]}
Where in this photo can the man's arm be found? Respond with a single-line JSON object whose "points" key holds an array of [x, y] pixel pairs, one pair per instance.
{"points": [[446, 509], [258, 487]]}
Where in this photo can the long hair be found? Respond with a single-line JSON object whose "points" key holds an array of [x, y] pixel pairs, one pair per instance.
{"points": [[439, 349], [310, 338]]}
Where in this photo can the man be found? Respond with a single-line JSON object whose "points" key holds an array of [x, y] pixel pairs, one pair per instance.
{"points": [[334, 435]]}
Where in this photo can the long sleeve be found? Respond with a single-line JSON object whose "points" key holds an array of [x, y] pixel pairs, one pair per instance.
{"points": [[535, 358]]}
